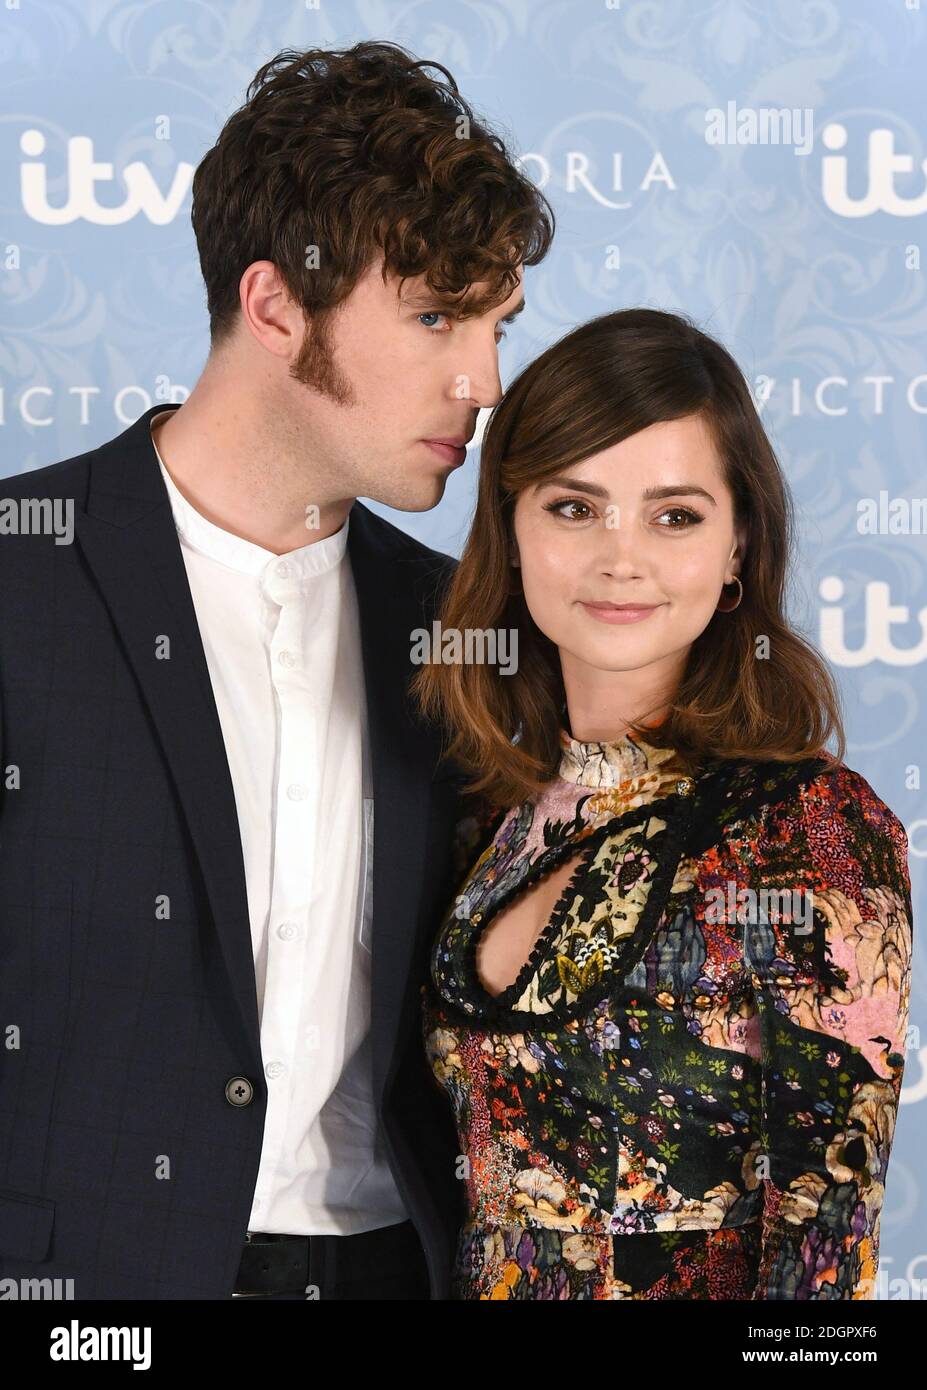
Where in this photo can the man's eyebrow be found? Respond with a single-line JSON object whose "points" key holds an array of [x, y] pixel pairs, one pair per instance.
{"points": [[463, 310], [453, 309], [510, 318], [650, 494]]}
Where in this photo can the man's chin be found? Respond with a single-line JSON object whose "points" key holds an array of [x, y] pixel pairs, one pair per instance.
{"points": [[420, 499]]}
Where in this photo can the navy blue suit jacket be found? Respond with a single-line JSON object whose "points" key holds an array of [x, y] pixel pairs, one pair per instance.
{"points": [[120, 1029]]}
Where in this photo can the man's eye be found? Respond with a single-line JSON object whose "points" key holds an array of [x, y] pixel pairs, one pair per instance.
{"points": [[437, 314]]}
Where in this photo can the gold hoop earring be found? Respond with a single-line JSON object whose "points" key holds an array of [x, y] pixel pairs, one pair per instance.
{"points": [[724, 605]]}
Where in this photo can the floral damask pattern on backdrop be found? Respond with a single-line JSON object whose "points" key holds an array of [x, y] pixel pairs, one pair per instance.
{"points": [[759, 166]]}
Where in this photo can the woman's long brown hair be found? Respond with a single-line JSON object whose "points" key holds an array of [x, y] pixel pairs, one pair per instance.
{"points": [[601, 383]]}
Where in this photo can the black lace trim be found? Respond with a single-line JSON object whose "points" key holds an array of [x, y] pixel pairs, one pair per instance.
{"points": [[549, 933], [724, 792], [478, 1003]]}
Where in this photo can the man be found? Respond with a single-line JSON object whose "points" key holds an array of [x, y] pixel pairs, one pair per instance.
{"points": [[212, 1083]]}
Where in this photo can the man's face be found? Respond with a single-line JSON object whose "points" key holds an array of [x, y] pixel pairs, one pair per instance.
{"points": [[388, 374]]}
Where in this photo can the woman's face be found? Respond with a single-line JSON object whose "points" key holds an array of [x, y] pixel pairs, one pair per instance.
{"points": [[649, 521]]}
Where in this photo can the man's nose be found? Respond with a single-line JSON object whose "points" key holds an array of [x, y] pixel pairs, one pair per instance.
{"points": [[479, 381]]}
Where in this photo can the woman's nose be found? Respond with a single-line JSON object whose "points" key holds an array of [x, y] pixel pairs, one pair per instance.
{"points": [[618, 544]]}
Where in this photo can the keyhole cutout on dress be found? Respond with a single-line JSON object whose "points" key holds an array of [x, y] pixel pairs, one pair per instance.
{"points": [[506, 944]]}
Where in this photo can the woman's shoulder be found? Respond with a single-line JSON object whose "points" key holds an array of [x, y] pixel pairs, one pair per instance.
{"points": [[816, 803], [832, 786], [829, 806], [742, 784], [845, 792], [844, 816]]}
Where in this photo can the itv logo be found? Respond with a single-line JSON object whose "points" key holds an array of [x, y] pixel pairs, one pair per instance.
{"points": [[880, 615], [883, 163], [83, 173]]}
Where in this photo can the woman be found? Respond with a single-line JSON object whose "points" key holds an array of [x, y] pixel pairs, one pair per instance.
{"points": [[669, 1003]]}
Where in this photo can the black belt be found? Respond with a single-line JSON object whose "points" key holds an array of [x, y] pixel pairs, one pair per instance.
{"points": [[273, 1263]]}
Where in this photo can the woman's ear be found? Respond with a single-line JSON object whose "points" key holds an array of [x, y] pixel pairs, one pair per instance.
{"points": [[738, 550]]}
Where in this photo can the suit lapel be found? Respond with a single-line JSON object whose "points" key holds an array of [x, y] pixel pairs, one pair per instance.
{"points": [[128, 538], [403, 754]]}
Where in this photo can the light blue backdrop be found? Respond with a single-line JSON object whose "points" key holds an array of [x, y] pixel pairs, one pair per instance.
{"points": [[805, 258]]}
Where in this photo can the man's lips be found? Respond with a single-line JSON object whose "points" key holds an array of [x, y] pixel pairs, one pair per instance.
{"points": [[452, 451]]}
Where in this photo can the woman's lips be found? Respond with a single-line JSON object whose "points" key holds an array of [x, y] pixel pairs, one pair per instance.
{"points": [[607, 613]]}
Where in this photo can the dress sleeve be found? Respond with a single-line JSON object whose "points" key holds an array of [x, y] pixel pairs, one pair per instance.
{"points": [[832, 997]]}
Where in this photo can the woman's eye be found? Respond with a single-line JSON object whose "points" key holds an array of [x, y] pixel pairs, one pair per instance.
{"points": [[557, 508], [693, 518], [577, 505]]}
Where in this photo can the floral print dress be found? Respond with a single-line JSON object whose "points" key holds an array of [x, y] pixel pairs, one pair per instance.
{"points": [[690, 1090]]}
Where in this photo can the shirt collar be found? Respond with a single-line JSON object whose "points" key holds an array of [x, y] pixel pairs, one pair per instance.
{"points": [[281, 572]]}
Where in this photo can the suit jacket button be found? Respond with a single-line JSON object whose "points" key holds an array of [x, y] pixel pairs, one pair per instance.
{"points": [[239, 1091]]}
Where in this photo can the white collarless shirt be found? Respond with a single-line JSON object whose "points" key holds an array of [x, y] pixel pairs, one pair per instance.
{"points": [[281, 635]]}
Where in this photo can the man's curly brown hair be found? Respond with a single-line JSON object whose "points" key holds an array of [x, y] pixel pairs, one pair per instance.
{"points": [[359, 152]]}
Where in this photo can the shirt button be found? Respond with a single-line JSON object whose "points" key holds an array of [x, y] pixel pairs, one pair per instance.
{"points": [[274, 1069], [288, 931], [283, 569], [239, 1091], [296, 791], [286, 658]]}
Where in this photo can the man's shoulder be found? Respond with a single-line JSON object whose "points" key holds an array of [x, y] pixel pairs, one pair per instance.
{"points": [[66, 478], [405, 545], [37, 514], [421, 563]]}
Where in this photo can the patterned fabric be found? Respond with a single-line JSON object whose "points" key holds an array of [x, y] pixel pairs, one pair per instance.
{"points": [[690, 1089]]}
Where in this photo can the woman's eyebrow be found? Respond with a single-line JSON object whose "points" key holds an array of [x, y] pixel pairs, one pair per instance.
{"points": [[649, 494]]}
